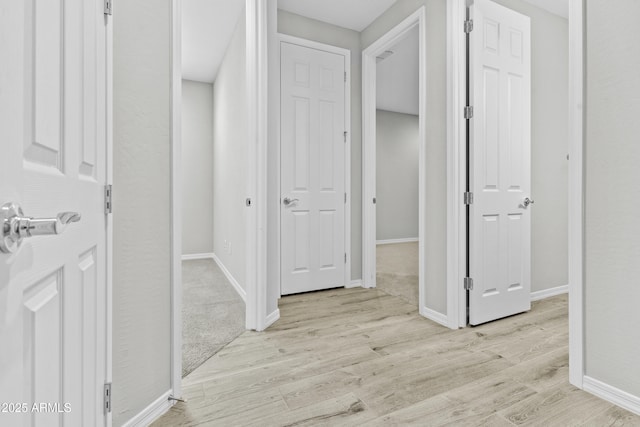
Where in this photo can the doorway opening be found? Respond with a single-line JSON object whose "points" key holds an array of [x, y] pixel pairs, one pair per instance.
{"points": [[214, 147], [397, 168], [402, 36]]}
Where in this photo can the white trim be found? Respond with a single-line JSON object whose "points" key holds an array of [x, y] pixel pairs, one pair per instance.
{"points": [[347, 146], [193, 257], [354, 284], [151, 413], [108, 357], [456, 163], [393, 241], [548, 293], [176, 198], [576, 194], [231, 279], [272, 318], [612, 394], [435, 316], [417, 18], [256, 218]]}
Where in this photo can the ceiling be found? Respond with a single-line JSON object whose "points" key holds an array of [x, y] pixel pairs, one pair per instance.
{"points": [[207, 28], [397, 77], [352, 14], [557, 7]]}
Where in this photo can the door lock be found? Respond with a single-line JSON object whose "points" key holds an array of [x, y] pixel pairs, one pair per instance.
{"points": [[16, 227], [527, 202]]}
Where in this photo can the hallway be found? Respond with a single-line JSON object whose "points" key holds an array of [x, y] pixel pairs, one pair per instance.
{"points": [[355, 356]]}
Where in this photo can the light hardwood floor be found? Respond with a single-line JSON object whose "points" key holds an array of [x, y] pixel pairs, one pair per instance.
{"points": [[363, 357]]}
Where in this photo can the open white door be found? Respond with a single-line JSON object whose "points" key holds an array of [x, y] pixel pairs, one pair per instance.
{"points": [[312, 169], [53, 165], [500, 162]]}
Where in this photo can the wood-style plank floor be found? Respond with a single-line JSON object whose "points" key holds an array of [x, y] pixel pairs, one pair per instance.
{"points": [[363, 357]]}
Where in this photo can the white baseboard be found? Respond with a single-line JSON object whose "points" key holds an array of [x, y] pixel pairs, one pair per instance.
{"points": [[612, 394], [230, 278], [272, 318], [354, 284], [435, 316], [191, 257], [152, 412], [392, 241], [547, 293]]}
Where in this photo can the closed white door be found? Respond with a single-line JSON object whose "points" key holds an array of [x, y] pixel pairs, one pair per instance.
{"points": [[312, 169], [53, 166], [500, 162]]}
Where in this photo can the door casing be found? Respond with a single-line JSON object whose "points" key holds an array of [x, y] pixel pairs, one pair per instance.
{"points": [[385, 42]]}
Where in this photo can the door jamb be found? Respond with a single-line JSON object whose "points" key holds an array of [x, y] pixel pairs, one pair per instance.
{"points": [[417, 18], [347, 148], [456, 10], [176, 197]]}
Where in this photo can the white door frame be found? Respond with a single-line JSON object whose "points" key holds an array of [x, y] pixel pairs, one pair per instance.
{"points": [[347, 149], [456, 176], [109, 220], [256, 265], [385, 42]]}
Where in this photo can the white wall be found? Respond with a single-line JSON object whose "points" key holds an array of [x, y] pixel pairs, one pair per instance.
{"points": [[197, 167], [310, 29], [396, 175], [612, 229], [230, 142], [141, 212]]}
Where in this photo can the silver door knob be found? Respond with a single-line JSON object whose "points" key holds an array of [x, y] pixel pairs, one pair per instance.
{"points": [[287, 201], [527, 202], [16, 227]]}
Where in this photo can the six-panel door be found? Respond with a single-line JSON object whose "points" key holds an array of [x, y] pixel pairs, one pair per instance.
{"points": [[312, 169], [500, 159], [53, 288]]}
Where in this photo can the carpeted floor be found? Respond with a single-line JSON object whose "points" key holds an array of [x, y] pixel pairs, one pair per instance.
{"points": [[397, 270], [213, 314]]}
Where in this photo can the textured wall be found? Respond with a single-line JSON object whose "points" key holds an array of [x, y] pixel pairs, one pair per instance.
{"points": [[612, 197], [141, 213], [230, 142], [396, 175], [197, 167]]}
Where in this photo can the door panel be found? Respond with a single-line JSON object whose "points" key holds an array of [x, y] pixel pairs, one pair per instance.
{"points": [[53, 290], [312, 169], [500, 162]]}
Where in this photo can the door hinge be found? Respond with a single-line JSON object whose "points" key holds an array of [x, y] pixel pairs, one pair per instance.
{"points": [[468, 112], [108, 7], [345, 257], [345, 198], [468, 198], [345, 76], [468, 284], [468, 26], [108, 199], [374, 200], [345, 136], [107, 398]]}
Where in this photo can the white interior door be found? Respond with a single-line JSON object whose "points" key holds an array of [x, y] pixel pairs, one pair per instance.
{"points": [[500, 162], [312, 169], [53, 160]]}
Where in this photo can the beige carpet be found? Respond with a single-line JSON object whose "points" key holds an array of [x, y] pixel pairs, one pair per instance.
{"points": [[397, 270], [212, 312]]}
